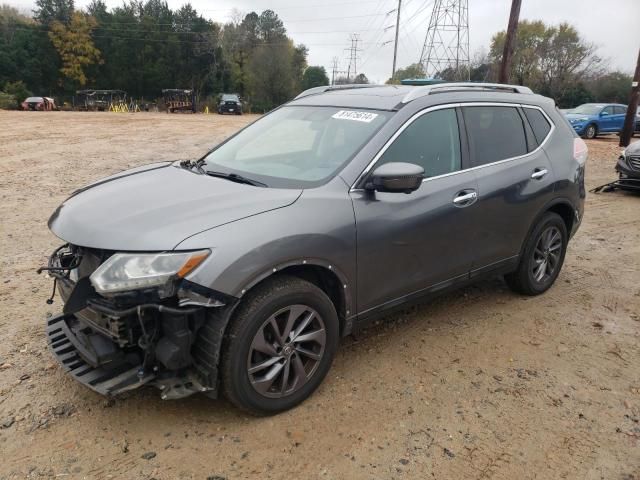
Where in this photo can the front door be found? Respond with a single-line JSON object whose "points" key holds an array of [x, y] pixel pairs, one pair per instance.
{"points": [[407, 243]]}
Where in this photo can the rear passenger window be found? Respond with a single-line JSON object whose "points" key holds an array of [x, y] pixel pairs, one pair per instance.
{"points": [[619, 110], [431, 141], [495, 133], [539, 123]]}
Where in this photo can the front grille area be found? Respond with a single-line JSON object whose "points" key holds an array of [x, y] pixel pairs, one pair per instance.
{"points": [[634, 162]]}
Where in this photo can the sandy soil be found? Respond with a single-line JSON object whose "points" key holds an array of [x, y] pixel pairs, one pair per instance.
{"points": [[480, 384]]}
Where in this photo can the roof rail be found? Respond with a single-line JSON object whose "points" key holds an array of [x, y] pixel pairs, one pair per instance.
{"points": [[461, 86], [330, 88]]}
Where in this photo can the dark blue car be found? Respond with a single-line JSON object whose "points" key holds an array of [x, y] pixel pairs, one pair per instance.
{"points": [[591, 119]]}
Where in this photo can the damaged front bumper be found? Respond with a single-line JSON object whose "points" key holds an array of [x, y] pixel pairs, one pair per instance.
{"points": [[628, 169], [113, 345]]}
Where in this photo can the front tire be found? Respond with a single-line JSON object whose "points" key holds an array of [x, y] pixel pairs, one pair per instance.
{"points": [[279, 346], [591, 132], [542, 257]]}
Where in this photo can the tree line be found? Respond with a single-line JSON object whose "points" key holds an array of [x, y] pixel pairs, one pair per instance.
{"points": [[554, 61], [143, 47]]}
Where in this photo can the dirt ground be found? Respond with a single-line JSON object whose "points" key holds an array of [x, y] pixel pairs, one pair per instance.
{"points": [[479, 384]]}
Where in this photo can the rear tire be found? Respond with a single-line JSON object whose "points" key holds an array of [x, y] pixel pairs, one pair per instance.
{"points": [[542, 257], [267, 366]]}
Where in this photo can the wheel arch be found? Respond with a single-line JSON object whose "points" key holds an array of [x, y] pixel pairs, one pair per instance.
{"points": [[566, 212], [324, 275], [561, 206]]}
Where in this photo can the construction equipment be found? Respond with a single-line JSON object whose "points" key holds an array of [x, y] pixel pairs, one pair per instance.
{"points": [[98, 100], [179, 100]]}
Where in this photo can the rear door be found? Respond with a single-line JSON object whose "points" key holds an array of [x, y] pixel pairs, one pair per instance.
{"points": [[515, 178], [619, 112]]}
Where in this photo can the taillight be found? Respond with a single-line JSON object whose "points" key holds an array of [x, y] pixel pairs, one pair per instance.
{"points": [[580, 151]]}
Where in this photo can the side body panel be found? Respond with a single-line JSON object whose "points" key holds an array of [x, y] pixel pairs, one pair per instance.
{"points": [[569, 187], [318, 229]]}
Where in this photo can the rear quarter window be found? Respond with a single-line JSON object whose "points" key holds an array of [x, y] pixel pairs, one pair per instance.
{"points": [[538, 122]]}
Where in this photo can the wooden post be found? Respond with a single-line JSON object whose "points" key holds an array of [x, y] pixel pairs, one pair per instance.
{"points": [[395, 43], [509, 42], [632, 108]]}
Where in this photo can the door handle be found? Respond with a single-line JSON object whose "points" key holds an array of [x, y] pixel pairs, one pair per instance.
{"points": [[465, 198], [538, 173]]}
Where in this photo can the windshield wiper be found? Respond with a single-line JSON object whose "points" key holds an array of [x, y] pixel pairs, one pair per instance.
{"points": [[234, 177]]}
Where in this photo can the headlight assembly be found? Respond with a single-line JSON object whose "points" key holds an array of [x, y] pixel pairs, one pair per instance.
{"points": [[134, 271]]}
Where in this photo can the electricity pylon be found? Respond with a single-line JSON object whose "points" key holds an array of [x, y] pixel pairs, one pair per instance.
{"points": [[445, 52]]}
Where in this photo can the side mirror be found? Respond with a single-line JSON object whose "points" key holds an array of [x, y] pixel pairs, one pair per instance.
{"points": [[604, 114], [396, 177]]}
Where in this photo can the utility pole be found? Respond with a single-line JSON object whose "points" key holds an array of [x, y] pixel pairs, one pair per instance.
{"points": [[632, 108], [509, 41], [395, 44]]}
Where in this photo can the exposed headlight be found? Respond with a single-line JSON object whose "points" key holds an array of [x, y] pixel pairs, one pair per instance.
{"points": [[134, 271]]}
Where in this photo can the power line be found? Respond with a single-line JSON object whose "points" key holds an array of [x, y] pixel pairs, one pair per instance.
{"points": [[173, 24], [167, 40], [295, 6]]}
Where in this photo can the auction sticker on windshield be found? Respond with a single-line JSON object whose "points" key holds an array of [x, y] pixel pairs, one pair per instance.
{"points": [[366, 117]]}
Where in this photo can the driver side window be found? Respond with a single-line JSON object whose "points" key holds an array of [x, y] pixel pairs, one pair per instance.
{"points": [[431, 141]]}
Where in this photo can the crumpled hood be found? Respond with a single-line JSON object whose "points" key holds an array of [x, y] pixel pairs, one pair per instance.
{"points": [[154, 208]]}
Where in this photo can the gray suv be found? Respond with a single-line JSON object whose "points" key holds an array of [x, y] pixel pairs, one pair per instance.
{"points": [[239, 272]]}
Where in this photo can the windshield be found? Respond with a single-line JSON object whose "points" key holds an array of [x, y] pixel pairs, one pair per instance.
{"points": [[296, 147], [229, 98], [587, 109]]}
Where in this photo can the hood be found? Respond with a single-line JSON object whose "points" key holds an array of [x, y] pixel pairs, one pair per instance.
{"points": [[154, 208], [633, 149], [575, 116]]}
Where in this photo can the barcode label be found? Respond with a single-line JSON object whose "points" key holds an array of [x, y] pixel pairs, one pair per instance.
{"points": [[366, 117]]}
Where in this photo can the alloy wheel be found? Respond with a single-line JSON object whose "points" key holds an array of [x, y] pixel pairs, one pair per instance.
{"points": [[546, 255], [286, 351]]}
